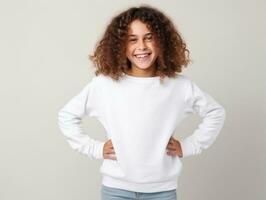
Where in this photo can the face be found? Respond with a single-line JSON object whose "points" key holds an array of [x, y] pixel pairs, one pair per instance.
{"points": [[141, 49]]}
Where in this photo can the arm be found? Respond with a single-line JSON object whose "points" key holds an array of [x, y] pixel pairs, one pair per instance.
{"points": [[70, 117], [213, 115]]}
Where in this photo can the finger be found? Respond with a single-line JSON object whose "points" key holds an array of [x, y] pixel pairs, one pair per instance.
{"points": [[110, 147], [112, 157], [111, 151], [109, 144], [171, 142], [173, 139], [173, 145], [174, 142], [171, 148], [171, 153]]}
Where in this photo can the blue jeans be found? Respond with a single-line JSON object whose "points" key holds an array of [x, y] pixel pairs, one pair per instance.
{"points": [[109, 193]]}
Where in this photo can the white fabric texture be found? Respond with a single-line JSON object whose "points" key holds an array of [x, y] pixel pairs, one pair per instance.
{"points": [[140, 115]]}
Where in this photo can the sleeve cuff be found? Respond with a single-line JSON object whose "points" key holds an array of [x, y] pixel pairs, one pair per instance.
{"points": [[99, 150], [187, 147]]}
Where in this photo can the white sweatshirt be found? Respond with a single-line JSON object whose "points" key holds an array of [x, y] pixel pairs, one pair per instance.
{"points": [[140, 115]]}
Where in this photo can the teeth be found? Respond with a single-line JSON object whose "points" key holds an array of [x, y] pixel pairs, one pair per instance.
{"points": [[142, 55]]}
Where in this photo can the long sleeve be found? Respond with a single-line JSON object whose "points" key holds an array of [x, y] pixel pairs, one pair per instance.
{"points": [[213, 115], [70, 117]]}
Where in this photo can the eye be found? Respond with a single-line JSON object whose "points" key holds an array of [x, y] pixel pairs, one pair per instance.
{"points": [[132, 39], [149, 38]]}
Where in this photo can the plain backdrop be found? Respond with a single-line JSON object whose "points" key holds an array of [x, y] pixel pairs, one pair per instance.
{"points": [[44, 62]]}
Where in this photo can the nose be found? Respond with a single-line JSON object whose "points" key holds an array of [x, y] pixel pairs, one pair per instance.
{"points": [[141, 45]]}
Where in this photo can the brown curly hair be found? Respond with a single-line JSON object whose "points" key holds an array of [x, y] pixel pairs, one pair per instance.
{"points": [[110, 58]]}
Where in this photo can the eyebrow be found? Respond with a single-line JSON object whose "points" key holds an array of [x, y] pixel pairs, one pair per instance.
{"points": [[132, 35]]}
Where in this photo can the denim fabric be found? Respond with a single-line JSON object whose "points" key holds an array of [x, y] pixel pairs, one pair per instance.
{"points": [[109, 193]]}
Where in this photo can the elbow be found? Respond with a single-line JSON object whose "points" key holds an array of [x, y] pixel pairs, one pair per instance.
{"points": [[221, 114], [218, 114], [61, 113], [61, 118]]}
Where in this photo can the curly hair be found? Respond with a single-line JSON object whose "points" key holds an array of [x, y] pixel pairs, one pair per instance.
{"points": [[110, 58]]}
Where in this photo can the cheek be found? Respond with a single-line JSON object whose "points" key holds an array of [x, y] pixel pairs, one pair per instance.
{"points": [[129, 51], [156, 50], [153, 47]]}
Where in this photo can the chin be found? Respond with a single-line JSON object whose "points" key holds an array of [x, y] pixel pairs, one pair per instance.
{"points": [[143, 67]]}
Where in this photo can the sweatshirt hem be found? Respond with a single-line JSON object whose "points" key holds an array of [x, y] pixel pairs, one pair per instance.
{"points": [[139, 187]]}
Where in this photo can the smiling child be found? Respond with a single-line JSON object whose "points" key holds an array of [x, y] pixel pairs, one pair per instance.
{"points": [[140, 97]]}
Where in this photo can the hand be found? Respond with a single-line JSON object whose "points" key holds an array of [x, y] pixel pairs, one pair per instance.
{"points": [[174, 148], [108, 150]]}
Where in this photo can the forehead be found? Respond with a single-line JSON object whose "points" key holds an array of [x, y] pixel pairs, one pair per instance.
{"points": [[137, 27]]}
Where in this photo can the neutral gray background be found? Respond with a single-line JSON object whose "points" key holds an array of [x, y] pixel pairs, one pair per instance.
{"points": [[44, 48]]}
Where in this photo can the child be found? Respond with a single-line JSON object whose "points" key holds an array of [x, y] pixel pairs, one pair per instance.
{"points": [[140, 97]]}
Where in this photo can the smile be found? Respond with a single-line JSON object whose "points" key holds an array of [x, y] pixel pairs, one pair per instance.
{"points": [[144, 55]]}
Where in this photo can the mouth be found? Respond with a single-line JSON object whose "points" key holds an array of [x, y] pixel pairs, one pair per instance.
{"points": [[142, 57]]}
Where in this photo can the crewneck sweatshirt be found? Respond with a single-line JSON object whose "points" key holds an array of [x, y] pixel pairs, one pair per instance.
{"points": [[139, 115]]}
